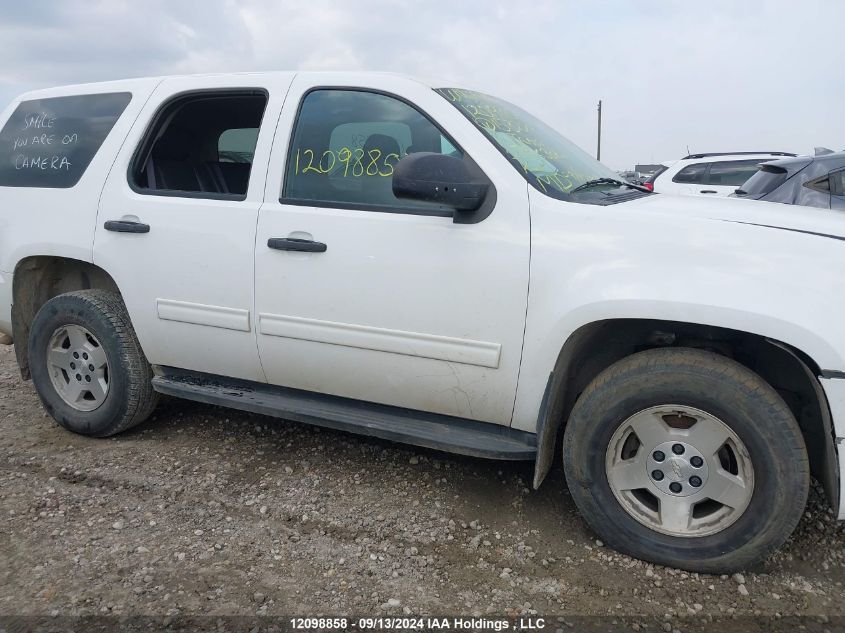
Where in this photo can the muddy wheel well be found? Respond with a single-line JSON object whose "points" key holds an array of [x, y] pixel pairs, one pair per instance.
{"points": [[789, 371], [39, 279]]}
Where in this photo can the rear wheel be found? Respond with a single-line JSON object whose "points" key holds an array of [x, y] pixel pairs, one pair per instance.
{"points": [[688, 459], [87, 365]]}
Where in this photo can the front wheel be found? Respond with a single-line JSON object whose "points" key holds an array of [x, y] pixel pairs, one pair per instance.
{"points": [[688, 459]]}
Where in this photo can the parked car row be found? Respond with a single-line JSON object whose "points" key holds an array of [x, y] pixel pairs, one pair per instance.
{"points": [[713, 174], [813, 181]]}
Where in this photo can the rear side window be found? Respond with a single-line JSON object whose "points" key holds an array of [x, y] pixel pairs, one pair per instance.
{"points": [[201, 146], [237, 145], [732, 173], [51, 142], [765, 180], [692, 174]]}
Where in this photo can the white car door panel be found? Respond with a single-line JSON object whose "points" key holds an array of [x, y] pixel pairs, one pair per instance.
{"points": [[188, 281], [404, 309]]}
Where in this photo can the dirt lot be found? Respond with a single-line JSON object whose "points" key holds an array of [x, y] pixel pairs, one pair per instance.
{"points": [[205, 511]]}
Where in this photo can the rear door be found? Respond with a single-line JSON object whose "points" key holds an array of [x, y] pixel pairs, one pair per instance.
{"points": [[177, 218], [395, 303]]}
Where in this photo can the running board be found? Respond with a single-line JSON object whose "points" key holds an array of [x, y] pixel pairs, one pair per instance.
{"points": [[440, 432]]}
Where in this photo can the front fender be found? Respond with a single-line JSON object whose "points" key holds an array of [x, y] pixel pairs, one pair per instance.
{"points": [[591, 264]]}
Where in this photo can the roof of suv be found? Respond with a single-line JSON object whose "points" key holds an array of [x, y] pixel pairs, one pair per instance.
{"points": [[731, 154], [127, 83], [715, 157], [832, 157], [810, 166]]}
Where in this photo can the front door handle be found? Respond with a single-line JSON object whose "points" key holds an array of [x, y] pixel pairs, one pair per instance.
{"points": [[126, 226], [708, 191], [296, 244]]}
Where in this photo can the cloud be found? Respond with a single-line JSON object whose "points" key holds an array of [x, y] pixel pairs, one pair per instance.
{"points": [[671, 75]]}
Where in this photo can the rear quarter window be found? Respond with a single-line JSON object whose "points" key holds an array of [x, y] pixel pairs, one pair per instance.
{"points": [[691, 174], [656, 173], [51, 142], [765, 180]]}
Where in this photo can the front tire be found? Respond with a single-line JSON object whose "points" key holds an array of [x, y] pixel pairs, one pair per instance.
{"points": [[688, 459], [87, 365]]}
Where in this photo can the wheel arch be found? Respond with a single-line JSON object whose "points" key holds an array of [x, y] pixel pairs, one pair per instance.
{"points": [[595, 346], [39, 278]]}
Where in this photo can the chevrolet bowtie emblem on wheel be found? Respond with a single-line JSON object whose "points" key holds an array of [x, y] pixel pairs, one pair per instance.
{"points": [[675, 465]]}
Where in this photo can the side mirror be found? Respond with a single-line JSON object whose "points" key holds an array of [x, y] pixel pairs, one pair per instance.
{"points": [[433, 177]]}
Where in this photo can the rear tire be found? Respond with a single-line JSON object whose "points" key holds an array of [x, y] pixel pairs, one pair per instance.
{"points": [[730, 505], [87, 365]]}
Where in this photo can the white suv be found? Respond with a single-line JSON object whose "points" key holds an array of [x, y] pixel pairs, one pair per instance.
{"points": [[712, 174], [433, 266]]}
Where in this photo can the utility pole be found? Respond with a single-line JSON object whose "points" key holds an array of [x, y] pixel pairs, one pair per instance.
{"points": [[598, 145]]}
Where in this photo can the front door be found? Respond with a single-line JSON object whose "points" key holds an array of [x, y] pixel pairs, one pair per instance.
{"points": [[362, 295], [177, 218]]}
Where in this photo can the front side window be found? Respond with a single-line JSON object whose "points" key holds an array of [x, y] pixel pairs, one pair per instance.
{"points": [[550, 162], [51, 142], [732, 173], [691, 174], [201, 145], [346, 145]]}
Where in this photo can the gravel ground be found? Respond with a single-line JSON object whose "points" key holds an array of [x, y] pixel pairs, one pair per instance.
{"points": [[204, 511]]}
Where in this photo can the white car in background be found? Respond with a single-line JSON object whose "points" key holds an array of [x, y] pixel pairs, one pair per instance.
{"points": [[714, 174]]}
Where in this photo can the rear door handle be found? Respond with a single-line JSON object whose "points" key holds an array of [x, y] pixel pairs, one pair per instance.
{"points": [[126, 226], [708, 191], [296, 244]]}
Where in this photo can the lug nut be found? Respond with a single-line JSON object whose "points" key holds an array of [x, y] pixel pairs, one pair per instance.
{"points": [[675, 487], [90, 367], [73, 365], [678, 449], [658, 456], [84, 355], [78, 377], [696, 461], [88, 379], [695, 481], [657, 475], [76, 354]]}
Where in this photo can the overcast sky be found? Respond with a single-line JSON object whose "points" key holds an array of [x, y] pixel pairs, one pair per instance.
{"points": [[711, 76]]}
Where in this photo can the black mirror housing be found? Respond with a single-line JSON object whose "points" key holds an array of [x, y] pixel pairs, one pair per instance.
{"points": [[433, 177]]}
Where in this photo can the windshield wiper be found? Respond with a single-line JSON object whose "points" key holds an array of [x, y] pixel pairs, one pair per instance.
{"points": [[608, 181]]}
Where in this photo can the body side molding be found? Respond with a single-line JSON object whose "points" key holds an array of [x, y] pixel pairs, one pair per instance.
{"points": [[446, 348], [201, 314]]}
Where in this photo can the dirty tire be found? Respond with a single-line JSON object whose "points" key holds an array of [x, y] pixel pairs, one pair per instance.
{"points": [[716, 385], [130, 398]]}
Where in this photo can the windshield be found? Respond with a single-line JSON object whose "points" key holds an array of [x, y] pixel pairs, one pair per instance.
{"points": [[550, 162]]}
